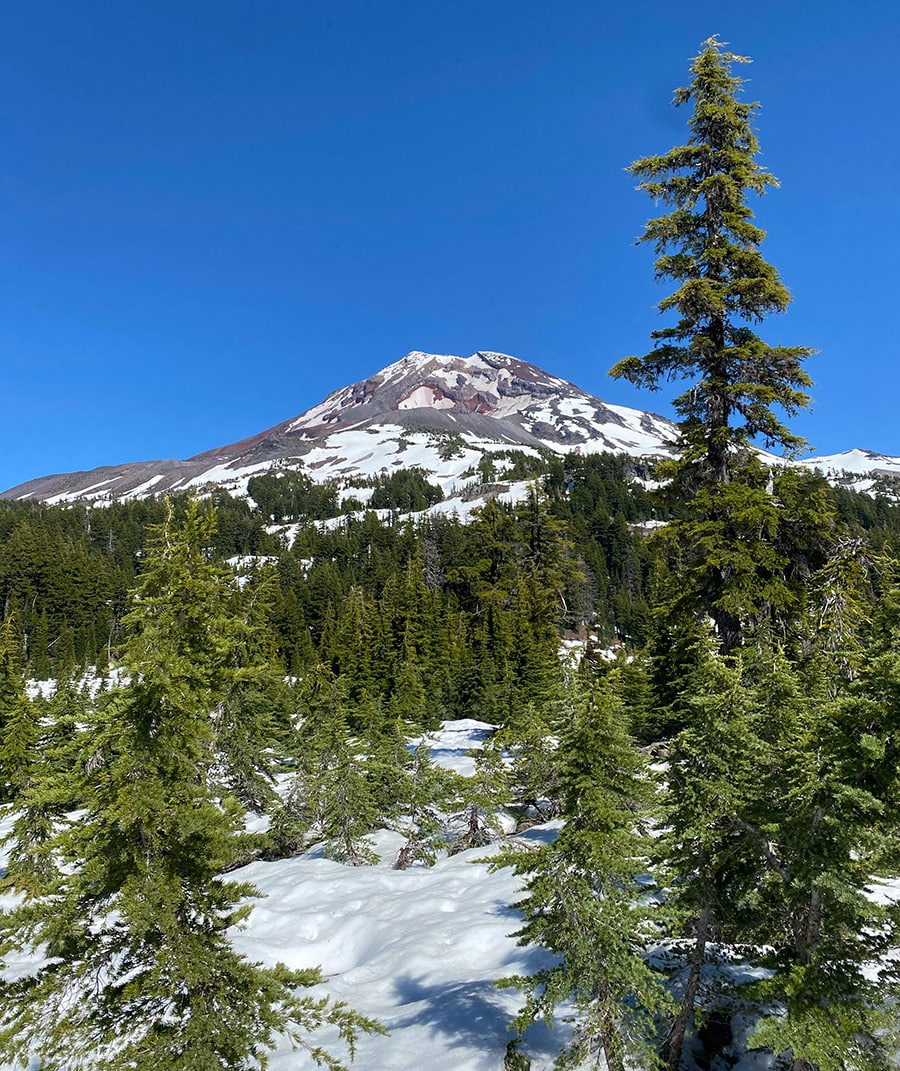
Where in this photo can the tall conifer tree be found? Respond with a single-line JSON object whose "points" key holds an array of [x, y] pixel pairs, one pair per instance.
{"points": [[140, 972], [709, 246]]}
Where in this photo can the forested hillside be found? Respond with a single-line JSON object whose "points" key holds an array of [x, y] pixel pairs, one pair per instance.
{"points": [[582, 537]]}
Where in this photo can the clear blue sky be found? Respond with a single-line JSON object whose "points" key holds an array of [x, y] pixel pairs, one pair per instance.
{"points": [[213, 213]]}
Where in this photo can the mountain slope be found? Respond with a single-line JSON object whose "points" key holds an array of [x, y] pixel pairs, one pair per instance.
{"points": [[440, 412]]}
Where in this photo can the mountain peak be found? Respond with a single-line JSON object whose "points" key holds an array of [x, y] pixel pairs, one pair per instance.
{"points": [[489, 401], [440, 412]]}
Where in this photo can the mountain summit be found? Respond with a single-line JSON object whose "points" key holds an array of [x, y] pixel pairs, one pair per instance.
{"points": [[401, 416], [439, 412]]}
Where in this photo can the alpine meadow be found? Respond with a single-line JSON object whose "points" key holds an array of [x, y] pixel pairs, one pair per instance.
{"points": [[468, 719]]}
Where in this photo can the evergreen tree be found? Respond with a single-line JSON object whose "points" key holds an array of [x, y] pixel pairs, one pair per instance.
{"points": [[825, 828], [708, 245], [708, 848], [582, 900], [534, 774], [483, 794], [780, 801], [424, 795], [332, 797], [140, 972], [252, 722], [42, 737], [18, 721]]}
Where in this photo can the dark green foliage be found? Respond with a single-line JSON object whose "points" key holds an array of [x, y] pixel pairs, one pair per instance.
{"points": [[730, 534], [333, 795], [135, 919], [483, 795], [48, 785], [582, 900], [781, 772], [424, 793], [777, 799], [535, 774], [292, 495], [406, 490], [253, 728], [709, 246], [18, 720], [603, 508]]}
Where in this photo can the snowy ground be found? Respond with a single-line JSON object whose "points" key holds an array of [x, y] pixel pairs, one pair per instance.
{"points": [[418, 949]]}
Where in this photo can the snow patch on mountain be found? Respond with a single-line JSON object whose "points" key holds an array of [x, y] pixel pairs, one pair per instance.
{"points": [[856, 468], [438, 412]]}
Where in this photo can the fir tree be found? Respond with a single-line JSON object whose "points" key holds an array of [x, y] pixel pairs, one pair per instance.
{"points": [[18, 720], [824, 818], [582, 900], [708, 849], [424, 793], [535, 780], [252, 722], [140, 972], [777, 798], [708, 245], [332, 797], [47, 783], [483, 794]]}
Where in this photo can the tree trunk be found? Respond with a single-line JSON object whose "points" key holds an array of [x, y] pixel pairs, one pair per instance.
{"points": [[611, 1047], [679, 1027], [728, 628]]}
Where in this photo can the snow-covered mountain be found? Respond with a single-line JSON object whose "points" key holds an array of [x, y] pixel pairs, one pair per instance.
{"points": [[856, 468], [441, 413]]}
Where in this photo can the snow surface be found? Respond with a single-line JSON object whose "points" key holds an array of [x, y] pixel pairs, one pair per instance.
{"points": [[418, 949], [857, 468]]}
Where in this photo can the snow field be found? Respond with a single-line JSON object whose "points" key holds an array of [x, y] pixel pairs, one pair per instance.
{"points": [[419, 949]]}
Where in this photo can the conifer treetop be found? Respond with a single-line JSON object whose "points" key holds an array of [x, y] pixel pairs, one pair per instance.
{"points": [[709, 246]]}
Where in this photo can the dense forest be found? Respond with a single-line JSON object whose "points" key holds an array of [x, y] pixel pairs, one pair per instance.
{"points": [[581, 537]]}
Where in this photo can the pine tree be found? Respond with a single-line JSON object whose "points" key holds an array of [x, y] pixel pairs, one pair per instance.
{"points": [[140, 972], [780, 800], [708, 245], [582, 900], [708, 849], [534, 773]]}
